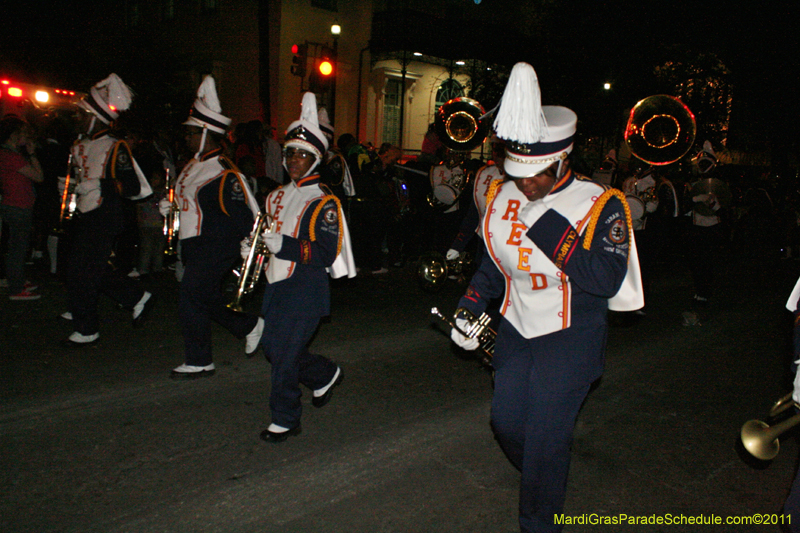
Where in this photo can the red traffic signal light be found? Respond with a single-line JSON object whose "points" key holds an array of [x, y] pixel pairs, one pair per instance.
{"points": [[299, 59]]}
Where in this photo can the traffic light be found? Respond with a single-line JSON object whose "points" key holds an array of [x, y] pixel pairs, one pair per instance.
{"points": [[323, 75], [299, 59]]}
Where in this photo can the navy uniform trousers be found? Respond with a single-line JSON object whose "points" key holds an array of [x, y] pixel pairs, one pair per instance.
{"points": [[286, 348], [201, 299], [89, 274], [540, 385]]}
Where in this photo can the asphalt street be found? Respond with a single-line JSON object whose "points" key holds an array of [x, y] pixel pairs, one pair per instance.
{"points": [[99, 439]]}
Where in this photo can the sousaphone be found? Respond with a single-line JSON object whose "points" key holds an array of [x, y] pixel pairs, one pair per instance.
{"points": [[660, 130], [462, 124]]}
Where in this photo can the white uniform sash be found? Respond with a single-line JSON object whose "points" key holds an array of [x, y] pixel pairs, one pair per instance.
{"points": [[193, 177], [791, 304], [92, 157], [287, 206], [533, 283]]}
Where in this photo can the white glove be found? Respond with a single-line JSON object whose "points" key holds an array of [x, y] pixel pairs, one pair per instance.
{"points": [[245, 247], [62, 184], [164, 207], [274, 242], [796, 393], [532, 211], [451, 254], [464, 342]]}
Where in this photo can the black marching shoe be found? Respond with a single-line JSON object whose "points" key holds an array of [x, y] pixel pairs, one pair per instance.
{"points": [[269, 435], [322, 396]]}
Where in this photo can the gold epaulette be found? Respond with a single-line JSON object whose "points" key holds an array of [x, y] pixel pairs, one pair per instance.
{"points": [[312, 230], [114, 153], [596, 211], [494, 186]]}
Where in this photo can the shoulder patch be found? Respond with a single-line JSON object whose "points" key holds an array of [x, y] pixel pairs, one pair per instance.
{"points": [[617, 233], [331, 216]]}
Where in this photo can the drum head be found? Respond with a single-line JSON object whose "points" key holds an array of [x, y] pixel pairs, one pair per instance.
{"points": [[636, 206]]}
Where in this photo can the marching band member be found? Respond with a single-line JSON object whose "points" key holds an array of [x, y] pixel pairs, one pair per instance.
{"points": [[706, 233], [309, 239], [448, 180], [106, 174], [559, 247], [792, 504], [217, 209], [471, 224]]}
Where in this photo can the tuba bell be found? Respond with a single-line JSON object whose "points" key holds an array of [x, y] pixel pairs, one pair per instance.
{"points": [[660, 130], [461, 124]]}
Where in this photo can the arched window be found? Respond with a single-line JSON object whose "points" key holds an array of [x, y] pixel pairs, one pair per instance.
{"points": [[449, 89]]}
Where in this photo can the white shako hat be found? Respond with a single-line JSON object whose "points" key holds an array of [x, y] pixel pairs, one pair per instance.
{"points": [[536, 136], [306, 133], [206, 111], [107, 99]]}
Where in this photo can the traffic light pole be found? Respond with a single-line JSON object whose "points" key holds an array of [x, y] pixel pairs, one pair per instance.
{"points": [[335, 60]]}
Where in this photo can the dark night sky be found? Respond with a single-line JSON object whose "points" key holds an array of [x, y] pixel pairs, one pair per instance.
{"points": [[614, 39]]}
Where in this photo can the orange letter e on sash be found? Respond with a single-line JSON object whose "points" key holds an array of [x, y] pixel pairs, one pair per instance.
{"points": [[522, 263]]}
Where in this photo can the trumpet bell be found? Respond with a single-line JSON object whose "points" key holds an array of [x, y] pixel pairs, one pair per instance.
{"points": [[660, 130], [460, 126], [759, 441]]}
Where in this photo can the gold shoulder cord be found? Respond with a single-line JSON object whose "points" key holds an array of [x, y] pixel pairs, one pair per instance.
{"points": [[222, 187], [114, 153], [494, 186], [597, 209], [313, 229]]}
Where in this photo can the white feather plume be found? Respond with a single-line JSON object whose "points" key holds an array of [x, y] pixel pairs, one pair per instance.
{"points": [[309, 111], [708, 149], [117, 94], [207, 94], [520, 117]]}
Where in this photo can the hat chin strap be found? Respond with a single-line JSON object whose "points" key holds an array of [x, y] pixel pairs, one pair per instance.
{"points": [[91, 124], [310, 170], [202, 144]]}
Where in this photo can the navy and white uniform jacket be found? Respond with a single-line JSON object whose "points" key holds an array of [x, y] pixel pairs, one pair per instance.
{"points": [[105, 169], [316, 242], [563, 270], [217, 207]]}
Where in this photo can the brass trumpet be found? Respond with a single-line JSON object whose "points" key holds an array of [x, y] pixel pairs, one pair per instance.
{"points": [[172, 222], [69, 199], [477, 328], [761, 439], [253, 264]]}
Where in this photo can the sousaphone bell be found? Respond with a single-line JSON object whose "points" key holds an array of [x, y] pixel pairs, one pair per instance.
{"points": [[461, 124], [660, 130]]}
